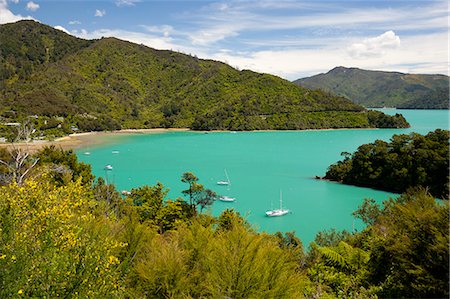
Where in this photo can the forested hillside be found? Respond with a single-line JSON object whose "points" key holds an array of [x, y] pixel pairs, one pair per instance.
{"points": [[26, 45], [383, 89], [111, 84], [64, 234], [404, 162]]}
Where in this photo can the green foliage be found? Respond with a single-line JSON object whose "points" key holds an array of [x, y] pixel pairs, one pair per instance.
{"points": [[228, 218], [109, 84], [199, 261], [368, 212], [331, 237], [407, 161], [64, 166], [383, 89], [148, 200], [26, 45], [68, 238], [198, 195], [340, 271], [378, 119], [409, 247]]}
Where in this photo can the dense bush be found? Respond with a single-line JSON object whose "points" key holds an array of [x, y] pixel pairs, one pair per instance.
{"points": [[407, 161]]}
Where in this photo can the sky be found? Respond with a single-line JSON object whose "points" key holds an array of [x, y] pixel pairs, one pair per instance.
{"points": [[287, 38]]}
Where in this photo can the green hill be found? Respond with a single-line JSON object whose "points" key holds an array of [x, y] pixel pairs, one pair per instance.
{"points": [[110, 84], [379, 89]]}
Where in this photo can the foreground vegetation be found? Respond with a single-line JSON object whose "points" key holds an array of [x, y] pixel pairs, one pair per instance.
{"points": [[65, 234], [65, 84], [404, 162], [383, 89]]}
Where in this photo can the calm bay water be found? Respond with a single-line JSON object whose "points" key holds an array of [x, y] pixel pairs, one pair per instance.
{"points": [[259, 165]]}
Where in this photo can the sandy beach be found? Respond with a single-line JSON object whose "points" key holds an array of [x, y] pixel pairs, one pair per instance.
{"points": [[77, 140]]}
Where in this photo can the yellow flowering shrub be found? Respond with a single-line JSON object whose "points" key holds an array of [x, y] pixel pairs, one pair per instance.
{"points": [[55, 242]]}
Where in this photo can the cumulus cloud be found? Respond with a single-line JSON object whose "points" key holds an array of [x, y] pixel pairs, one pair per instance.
{"points": [[15, 1], [6, 16], [375, 46], [74, 22], [126, 2], [32, 6], [100, 13], [62, 29]]}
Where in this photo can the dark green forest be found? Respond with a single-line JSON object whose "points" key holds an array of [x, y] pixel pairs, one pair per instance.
{"points": [[109, 84], [383, 89], [64, 233], [404, 162]]}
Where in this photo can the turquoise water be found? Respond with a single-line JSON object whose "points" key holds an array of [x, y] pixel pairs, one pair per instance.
{"points": [[259, 165]]}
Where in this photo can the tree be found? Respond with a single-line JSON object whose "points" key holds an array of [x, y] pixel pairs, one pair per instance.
{"points": [[148, 200], [194, 187], [205, 199], [409, 247], [368, 212], [21, 162], [198, 195], [407, 161]]}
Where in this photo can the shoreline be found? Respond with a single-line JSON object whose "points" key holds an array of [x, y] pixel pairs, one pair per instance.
{"points": [[80, 140]]}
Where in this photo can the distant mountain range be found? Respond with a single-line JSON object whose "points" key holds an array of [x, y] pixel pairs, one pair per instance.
{"points": [[110, 84], [383, 89]]}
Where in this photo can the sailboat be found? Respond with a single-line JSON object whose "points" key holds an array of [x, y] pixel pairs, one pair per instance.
{"points": [[226, 198], [280, 211], [225, 183]]}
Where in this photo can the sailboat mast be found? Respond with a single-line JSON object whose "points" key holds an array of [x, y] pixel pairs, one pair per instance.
{"points": [[281, 200], [228, 179]]}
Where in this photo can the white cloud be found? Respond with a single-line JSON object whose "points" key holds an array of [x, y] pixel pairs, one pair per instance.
{"points": [[100, 13], [74, 22], [375, 46], [6, 16], [135, 37], [165, 30], [214, 34], [31, 6], [217, 22], [62, 29], [15, 1], [126, 2], [416, 54]]}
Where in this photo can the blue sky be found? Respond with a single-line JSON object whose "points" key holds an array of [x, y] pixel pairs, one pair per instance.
{"points": [[291, 39]]}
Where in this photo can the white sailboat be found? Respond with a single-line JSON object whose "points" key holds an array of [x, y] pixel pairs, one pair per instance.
{"points": [[280, 211], [226, 198], [225, 183]]}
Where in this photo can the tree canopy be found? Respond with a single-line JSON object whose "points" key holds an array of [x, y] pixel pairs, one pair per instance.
{"points": [[404, 162]]}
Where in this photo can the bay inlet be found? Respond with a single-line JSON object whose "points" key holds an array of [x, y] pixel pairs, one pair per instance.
{"points": [[259, 165]]}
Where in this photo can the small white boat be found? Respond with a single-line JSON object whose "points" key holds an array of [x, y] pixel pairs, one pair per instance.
{"points": [[225, 183], [115, 152], [108, 167], [226, 198], [86, 153], [126, 192], [278, 212]]}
